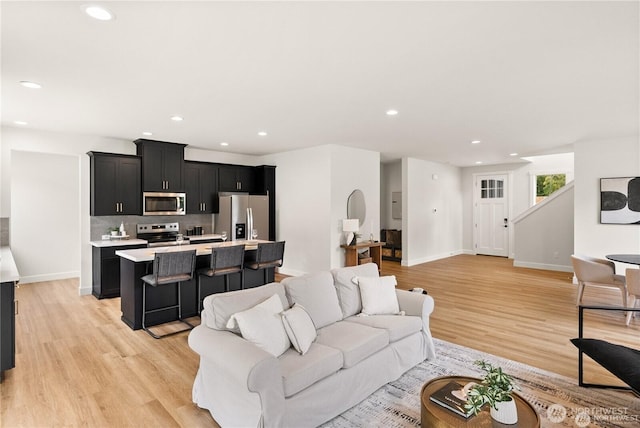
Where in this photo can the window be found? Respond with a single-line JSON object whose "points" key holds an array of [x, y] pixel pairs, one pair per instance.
{"points": [[546, 184], [490, 189]]}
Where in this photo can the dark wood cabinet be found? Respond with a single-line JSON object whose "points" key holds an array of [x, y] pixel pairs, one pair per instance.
{"points": [[162, 165], [115, 184], [266, 185], [236, 178], [7, 326], [201, 184], [392, 249], [106, 270]]}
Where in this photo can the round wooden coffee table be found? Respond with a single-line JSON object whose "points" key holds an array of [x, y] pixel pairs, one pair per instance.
{"points": [[433, 415]]}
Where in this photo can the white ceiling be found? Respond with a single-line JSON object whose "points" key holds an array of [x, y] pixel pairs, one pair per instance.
{"points": [[526, 77]]}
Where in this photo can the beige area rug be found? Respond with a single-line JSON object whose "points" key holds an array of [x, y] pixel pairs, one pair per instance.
{"points": [[397, 404]]}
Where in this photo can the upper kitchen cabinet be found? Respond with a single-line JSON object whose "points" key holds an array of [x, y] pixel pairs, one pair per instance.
{"points": [[201, 183], [162, 165], [266, 185], [115, 184], [236, 178]]}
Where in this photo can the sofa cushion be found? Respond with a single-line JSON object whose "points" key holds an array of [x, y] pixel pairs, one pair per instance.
{"points": [[620, 360], [262, 326], [219, 307], [348, 291], [355, 341], [318, 296], [378, 295], [398, 327], [299, 327], [299, 372]]}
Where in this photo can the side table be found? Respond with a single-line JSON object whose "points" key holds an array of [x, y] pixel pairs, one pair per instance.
{"points": [[433, 415], [351, 252]]}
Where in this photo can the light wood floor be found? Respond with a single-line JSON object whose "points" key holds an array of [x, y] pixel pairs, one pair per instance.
{"points": [[77, 364]]}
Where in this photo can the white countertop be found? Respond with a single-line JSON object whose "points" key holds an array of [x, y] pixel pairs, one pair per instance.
{"points": [[147, 254], [118, 242], [196, 238], [8, 269]]}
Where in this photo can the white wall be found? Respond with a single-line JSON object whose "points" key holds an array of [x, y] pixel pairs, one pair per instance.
{"points": [[390, 181], [596, 160], [303, 208], [14, 139], [313, 186], [353, 169], [521, 187], [45, 213], [544, 234], [432, 211]]}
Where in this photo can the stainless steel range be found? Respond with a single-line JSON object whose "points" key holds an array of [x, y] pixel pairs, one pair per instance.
{"points": [[159, 234]]}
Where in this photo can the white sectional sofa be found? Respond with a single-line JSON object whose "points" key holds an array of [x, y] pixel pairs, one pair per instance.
{"points": [[243, 385]]}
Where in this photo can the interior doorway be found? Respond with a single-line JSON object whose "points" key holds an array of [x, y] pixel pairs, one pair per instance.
{"points": [[45, 215], [491, 214]]}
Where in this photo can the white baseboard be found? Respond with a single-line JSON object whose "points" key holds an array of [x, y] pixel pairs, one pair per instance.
{"points": [[85, 291], [49, 277], [414, 262], [544, 266]]}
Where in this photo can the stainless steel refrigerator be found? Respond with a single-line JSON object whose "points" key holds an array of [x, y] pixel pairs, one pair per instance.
{"points": [[239, 213]]}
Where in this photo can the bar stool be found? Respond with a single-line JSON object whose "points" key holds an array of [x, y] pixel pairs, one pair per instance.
{"points": [[224, 262], [168, 268], [268, 255]]}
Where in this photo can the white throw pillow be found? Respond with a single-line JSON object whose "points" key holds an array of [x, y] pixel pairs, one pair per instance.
{"points": [[299, 328], [318, 296], [262, 325], [378, 295]]}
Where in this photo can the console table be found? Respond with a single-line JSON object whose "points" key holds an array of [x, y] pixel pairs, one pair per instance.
{"points": [[375, 253]]}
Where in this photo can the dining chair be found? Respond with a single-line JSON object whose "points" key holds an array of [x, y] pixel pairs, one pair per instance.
{"points": [[224, 261], [168, 268], [597, 272], [633, 287]]}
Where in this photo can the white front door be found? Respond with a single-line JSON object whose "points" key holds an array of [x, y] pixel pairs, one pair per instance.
{"points": [[491, 215]]}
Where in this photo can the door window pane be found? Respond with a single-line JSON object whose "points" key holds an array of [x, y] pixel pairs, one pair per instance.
{"points": [[491, 189]]}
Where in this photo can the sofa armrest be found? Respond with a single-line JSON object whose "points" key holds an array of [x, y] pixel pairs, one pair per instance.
{"points": [[416, 304], [247, 368], [420, 305]]}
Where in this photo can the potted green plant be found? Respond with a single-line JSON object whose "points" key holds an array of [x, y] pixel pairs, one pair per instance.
{"points": [[495, 390]]}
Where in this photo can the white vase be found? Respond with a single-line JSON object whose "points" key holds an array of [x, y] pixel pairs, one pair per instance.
{"points": [[507, 412]]}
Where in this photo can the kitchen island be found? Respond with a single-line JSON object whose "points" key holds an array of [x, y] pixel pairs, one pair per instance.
{"points": [[9, 278], [135, 263]]}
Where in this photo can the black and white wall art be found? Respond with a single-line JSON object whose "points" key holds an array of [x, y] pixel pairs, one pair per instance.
{"points": [[620, 200]]}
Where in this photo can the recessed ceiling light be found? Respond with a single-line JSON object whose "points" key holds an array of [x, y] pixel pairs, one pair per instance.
{"points": [[262, 134], [147, 133], [31, 85], [20, 122], [476, 142], [224, 143], [99, 13], [392, 112], [478, 162], [513, 154], [177, 118]]}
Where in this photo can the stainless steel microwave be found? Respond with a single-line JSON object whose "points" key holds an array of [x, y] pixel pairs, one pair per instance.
{"points": [[161, 203]]}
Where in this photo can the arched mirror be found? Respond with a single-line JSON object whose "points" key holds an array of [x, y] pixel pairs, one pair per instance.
{"points": [[356, 207]]}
